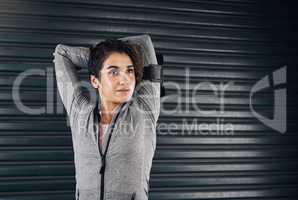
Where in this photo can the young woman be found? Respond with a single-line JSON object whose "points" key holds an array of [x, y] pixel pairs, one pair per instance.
{"points": [[114, 137]]}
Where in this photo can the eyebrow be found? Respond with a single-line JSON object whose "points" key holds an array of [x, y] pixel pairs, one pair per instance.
{"points": [[116, 67]]}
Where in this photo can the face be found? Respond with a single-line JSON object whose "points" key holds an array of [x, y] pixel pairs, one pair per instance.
{"points": [[117, 81]]}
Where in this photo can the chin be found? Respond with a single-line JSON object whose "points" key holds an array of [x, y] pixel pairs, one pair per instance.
{"points": [[124, 99]]}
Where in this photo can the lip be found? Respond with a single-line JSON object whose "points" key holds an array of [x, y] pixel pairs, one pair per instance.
{"points": [[124, 90]]}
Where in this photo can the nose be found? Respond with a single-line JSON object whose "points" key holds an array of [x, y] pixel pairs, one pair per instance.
{"points": [[123, 78]]}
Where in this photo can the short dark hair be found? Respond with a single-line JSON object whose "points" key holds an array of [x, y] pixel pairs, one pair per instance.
{"points": [[102, 50]]}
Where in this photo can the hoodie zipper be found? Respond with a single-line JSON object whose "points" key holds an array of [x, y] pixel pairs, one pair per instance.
{"points": [[103, 154]]}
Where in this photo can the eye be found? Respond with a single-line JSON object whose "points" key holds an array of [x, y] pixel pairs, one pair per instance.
{"points": [[131, 70], [114, 72]]}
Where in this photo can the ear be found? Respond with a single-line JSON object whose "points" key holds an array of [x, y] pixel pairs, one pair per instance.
{"points": [[94, 81]]}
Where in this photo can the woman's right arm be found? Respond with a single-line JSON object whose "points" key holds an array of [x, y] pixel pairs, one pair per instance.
{"points": [[68, 61]]}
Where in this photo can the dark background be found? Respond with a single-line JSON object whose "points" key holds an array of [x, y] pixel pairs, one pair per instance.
{"points": [[218, 41]]}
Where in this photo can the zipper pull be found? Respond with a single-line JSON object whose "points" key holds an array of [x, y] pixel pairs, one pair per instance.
{"points": [[103, 166], [133, 196]]}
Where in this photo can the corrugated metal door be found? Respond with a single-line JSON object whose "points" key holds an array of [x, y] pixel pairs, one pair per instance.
{"points": [[210, 145]]}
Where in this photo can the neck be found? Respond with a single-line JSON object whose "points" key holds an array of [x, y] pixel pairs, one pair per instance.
{"points": [[107, 112]]}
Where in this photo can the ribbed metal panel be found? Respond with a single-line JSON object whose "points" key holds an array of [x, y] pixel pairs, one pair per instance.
{"points": [[220, 41]]}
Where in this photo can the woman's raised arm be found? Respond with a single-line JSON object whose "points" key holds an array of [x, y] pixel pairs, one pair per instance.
{"points": [[68, 61], [148, 91]]}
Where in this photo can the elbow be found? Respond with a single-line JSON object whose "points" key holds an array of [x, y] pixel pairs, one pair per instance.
{"points": [[60, 49]]}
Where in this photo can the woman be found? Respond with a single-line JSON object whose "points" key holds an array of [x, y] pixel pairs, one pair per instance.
{"points": [[114, 137]]}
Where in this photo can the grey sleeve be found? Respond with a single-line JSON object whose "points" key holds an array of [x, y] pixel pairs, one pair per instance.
{"points": [[148, 92], [68, 61], [148, 98]]}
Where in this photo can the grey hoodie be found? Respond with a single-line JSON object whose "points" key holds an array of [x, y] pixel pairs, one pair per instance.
{"points": [[120, 171]]}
